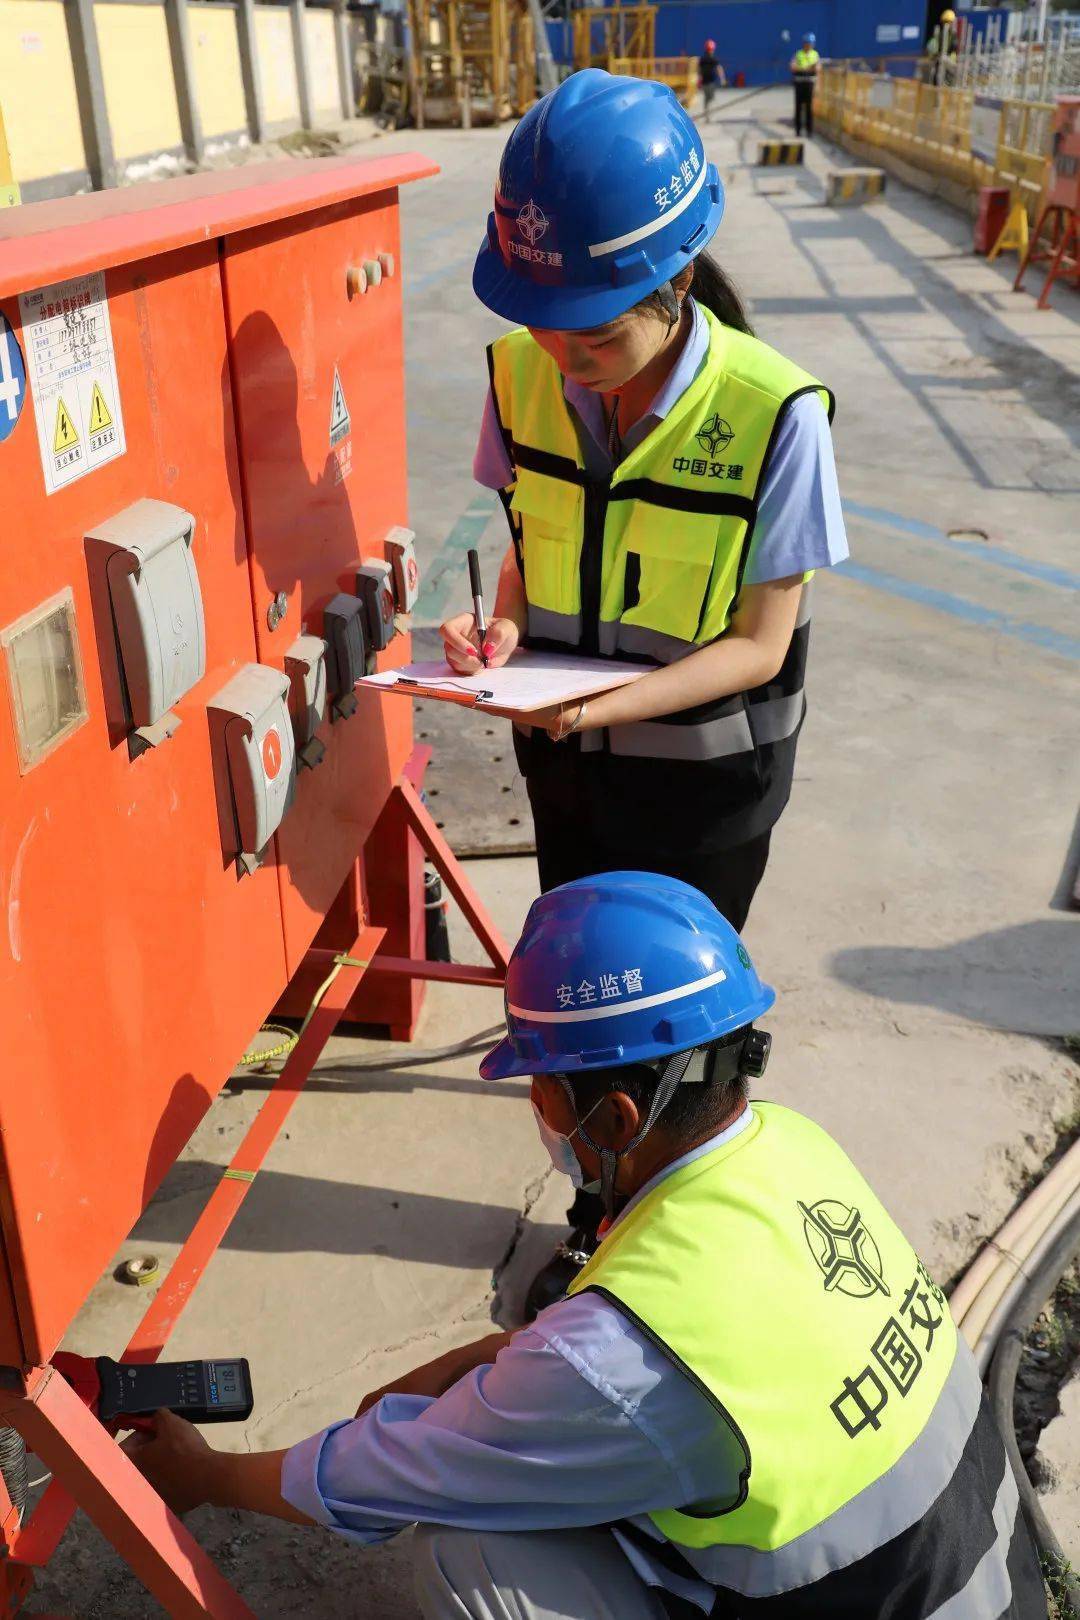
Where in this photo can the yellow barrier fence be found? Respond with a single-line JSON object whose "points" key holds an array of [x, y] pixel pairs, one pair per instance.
{"points": [[9, 190], [930, 127], [680, 72]]}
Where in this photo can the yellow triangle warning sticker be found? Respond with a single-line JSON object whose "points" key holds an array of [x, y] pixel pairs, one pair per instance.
{"points": [[100, 414], [66, 433]]}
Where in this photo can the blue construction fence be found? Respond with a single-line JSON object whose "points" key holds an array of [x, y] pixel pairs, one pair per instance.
{"points": [[756, 38]]}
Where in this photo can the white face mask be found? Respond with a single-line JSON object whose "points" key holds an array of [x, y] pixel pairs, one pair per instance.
{"points": [[559, 1147]]}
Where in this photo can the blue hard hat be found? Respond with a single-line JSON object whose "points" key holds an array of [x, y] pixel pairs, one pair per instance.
{"points": [[604, 193], [809, 39], [624, 967]]}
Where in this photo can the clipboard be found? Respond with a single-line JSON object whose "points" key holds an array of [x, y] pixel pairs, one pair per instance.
{"points": [[526, 682]]}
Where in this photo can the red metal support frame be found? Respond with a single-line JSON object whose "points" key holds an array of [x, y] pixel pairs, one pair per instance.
{"points": [[1062, 253], [90, 1470], [452, 873], [68, 1438]]}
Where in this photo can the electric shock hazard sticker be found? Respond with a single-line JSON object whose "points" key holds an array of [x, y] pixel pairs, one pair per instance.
{"points": [[340, 432], [72, 367]]}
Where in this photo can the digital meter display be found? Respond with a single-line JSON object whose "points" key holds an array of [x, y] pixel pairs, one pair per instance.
{"points": [[226, 1383], [202, 1391]]}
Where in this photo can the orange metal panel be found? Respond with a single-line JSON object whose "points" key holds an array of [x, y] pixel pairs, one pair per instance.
{"points": [[315, 511], [48, 241], [137, 963]]}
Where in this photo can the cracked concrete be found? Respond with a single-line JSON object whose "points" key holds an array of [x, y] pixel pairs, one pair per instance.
{"points": [[905, 917]]}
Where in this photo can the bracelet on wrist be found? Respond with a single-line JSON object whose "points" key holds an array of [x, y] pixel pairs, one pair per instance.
{"points": [[575, 723]]}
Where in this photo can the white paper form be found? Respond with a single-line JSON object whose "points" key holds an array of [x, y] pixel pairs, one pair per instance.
{"points": [[529, 681]]}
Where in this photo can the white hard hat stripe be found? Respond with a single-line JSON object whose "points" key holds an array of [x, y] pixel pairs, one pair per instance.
{"points": [[657, 224], [579, 1015]]}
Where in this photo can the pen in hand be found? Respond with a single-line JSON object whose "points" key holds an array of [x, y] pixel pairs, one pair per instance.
{"points": [[478, 603]]}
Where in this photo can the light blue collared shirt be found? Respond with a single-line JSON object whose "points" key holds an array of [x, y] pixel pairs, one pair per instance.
{"points": [[800, 525], [581, 1420]]}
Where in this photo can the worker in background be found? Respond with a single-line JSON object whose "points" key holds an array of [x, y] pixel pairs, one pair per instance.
{"points": [[670, 485], [941, 50], [711, 77], [754, 1400], [805, 67]]}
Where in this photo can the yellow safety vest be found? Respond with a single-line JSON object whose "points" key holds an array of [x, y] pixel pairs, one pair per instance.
{"points": [[769, 1272], [649, 564], [805, 63]]}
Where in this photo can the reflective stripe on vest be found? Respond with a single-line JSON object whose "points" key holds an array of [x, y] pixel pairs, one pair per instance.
{"points": [[649, 565], [802, 1312], [938, 1537]]}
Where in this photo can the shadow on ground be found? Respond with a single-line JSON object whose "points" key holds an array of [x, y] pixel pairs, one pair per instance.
{"points": [[1025, 979]]}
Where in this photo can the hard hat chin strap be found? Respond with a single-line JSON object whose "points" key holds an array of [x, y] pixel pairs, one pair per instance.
{"points": [[670, 1076], [669, 303]]}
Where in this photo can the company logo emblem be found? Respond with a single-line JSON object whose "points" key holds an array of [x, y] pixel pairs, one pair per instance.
{"points": [[744, 956], [715, 434], [532, 222], [843, 1249]]}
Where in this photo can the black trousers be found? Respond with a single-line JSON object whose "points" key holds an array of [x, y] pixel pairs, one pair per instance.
{"points": [[565, 850], [804, 108]]}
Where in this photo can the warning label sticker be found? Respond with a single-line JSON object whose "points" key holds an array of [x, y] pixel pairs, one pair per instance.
{"points": [[340, 421], [72, 367]]}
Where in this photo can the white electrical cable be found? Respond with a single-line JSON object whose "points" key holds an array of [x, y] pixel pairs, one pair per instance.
{"points": [[1009, 1261], [986, 1343], [1019, 1231]]}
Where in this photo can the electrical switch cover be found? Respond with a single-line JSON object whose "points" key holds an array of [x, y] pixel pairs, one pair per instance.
{"points": [[156, 606], [305, 665], [375, 588], [401, 550], [256, 760], [345, 631]]}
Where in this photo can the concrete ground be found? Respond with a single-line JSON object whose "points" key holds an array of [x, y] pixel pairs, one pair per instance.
{"points": [[906, 917]]}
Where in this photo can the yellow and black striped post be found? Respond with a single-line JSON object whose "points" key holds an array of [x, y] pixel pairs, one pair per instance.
{"points": [[853, 186], [780, 152]]}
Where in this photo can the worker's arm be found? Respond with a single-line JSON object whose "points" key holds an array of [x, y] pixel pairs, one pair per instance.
{"points": [[579, 1421], [436, 1377], [186, 1471], [748, 655]]}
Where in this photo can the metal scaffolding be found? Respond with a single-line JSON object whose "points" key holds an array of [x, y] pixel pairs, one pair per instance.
{"points": [[471, 61], [605, 34]]}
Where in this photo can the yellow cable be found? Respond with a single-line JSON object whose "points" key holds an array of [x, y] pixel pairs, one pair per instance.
{"points": [[283, 1048], [290, 1037], [339, 963]]}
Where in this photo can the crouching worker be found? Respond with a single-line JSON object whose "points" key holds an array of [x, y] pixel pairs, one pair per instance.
{"points": [[753, 1401]]}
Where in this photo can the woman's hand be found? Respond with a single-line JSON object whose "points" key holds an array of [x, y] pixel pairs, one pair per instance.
{"points": [[461, 643], [175, 1459]]}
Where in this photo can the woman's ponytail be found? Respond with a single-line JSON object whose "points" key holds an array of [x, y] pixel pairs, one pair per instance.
{"points": [[712, 288]]}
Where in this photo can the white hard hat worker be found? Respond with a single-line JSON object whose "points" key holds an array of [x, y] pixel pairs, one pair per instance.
{"points": [[669, 485], [754, 1399]]}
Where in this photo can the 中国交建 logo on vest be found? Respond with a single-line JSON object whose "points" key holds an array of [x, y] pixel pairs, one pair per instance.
{"points": [[843, 1249], [715, 434]]}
